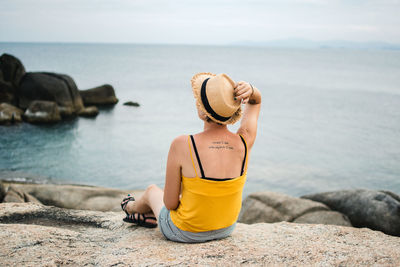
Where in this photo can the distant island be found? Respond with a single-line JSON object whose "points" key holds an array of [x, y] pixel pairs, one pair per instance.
{"points": [[305, 43]]}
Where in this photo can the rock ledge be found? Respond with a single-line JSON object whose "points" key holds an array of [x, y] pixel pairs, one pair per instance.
{"points": [[32, 234]]}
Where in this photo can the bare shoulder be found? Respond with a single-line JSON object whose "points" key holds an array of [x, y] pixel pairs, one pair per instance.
{"points": [[179, 140], [178, 143]]}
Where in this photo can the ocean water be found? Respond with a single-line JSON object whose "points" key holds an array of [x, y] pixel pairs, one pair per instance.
{"points": [[330, 118]]}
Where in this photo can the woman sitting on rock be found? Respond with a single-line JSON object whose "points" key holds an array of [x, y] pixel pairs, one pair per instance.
{"points": [[205, 172]]}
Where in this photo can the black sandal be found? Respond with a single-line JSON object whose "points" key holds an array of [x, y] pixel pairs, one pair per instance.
{"points": [[140, 222], [125, 202]]}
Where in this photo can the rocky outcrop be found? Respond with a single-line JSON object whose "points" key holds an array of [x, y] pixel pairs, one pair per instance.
{"points": [[58, 88], [75, 196], [378, 210], [36, 235], [21, 88], [132, 104], [273, 207], [42, 112], [101, 95], [10, 114]]}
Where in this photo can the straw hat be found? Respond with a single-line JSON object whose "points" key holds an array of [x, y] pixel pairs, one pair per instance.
{"points": [[215, 97]]}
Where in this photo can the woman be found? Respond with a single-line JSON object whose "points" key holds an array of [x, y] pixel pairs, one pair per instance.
{"points": [[205, 172]]}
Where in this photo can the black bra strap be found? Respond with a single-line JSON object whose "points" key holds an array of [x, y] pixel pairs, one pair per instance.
{"points": [[245, 154], [197, 156]]}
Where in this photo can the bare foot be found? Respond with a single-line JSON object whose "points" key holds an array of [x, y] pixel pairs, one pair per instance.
{"points": [[130, 207], [138, 206]]}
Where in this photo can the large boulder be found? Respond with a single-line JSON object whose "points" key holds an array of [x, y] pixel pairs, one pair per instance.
{"points": [[58, 88], [42, 112], [273, 207], [101, 95], [378, 210], [12, 69], [10, 114], [35, 235]]}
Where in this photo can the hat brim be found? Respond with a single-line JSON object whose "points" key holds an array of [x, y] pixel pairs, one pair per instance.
{"points": [[197, 81]]}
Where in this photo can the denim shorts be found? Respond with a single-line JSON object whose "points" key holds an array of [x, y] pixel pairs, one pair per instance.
{"points": [[173, 233]]}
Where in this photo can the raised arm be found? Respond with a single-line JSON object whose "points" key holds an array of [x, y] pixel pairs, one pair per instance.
{"points": [[251, 96]]}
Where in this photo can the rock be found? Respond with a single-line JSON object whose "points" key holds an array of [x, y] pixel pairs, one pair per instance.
{"points": [[30, 198], [59, 88], [133, 104], [14, 195], [10, 114], [7, 92], [324, 217], [77, 196], [49, 236], [101, 95], [275, 207], [42, 112], [12, 69], [2, 192], [365, 208], [91, 111]]}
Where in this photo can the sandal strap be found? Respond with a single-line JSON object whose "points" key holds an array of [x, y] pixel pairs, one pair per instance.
{"points": [[141, 220], [125, 202]]}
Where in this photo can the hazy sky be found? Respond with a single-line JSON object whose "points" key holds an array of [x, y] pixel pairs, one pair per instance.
{"points": [[198, 22]]}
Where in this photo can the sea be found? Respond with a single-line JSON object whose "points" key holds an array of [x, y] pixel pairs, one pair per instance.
{"points": [[330, 117]]}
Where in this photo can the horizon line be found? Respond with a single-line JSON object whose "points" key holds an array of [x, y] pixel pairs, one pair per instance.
{"points": [[283, 43]]}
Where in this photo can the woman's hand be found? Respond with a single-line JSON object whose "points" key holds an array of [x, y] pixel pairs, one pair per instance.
{"points": [[243, 91]]}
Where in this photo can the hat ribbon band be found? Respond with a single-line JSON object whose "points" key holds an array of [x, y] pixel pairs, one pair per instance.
{"points": [[207, 104]]}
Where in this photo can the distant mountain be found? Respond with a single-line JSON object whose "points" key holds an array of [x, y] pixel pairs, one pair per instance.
{"points": [[304, 43]]}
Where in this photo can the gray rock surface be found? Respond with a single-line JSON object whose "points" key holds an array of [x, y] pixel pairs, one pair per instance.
{"points": [[272, 207], [35, 235], [42, 112], [324, 217], [76, 196], [365, 208], [10, 114], [59, 88], [101, 95]]}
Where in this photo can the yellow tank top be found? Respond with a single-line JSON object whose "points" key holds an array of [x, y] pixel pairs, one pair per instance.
{"points": [[209, 204]]}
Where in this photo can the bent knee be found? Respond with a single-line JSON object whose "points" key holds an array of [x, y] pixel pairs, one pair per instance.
{"points": [[152, 187]]}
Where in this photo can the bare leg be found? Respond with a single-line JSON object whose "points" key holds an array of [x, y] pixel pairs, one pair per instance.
{"points": [[151, 202]]}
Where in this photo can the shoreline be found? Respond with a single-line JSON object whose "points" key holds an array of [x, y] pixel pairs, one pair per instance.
{"points": [[343, 207]]}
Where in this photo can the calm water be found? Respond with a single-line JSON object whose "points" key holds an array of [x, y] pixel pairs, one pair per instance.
{"points": [[330, 117]]}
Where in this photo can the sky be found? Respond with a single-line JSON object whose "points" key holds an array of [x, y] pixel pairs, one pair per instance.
{"points": [[198, 22]]}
